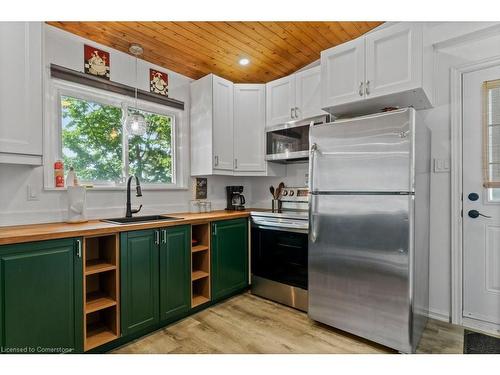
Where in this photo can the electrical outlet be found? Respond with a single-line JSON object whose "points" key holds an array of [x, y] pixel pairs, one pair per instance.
{"points": [[32, 193]]}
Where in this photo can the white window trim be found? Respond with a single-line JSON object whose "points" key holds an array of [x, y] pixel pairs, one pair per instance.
{"points": [[53, 139]]}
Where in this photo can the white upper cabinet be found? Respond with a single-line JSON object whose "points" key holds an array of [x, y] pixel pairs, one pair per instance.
{"points": [[393, 59], [308, 93], [211, 123], [249, 127], [222, 123], [389, 67], [295, 97], [280, 100], [21, 119], [228, 129], [343, 73]]}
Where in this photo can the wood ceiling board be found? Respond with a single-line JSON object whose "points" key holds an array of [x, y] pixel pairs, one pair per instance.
{"points": [[195, 49]]}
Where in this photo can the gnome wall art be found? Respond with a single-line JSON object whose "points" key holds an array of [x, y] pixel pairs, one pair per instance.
{"points": [[96, 62], [158, 82]]}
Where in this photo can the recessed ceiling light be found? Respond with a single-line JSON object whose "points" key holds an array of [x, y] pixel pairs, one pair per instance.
{"points": [[244, 61]]}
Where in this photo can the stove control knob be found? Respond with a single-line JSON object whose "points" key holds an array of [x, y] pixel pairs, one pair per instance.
{"points": [[285, 193], [292, 193]]}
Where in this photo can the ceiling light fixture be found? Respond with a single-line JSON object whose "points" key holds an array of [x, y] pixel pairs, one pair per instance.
{"points": [[244, 61], [135, 123]]}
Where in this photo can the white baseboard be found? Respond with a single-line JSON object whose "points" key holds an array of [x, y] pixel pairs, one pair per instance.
{"points": [[439, 315]]}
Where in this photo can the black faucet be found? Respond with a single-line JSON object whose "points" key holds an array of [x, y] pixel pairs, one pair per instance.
{"points": [[131, 211]]}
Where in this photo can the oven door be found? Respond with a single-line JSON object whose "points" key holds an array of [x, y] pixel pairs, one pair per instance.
{"points": [[280, 254]]}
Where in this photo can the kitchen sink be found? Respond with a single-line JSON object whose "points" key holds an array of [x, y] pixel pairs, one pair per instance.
{"points": [[140, 219]]}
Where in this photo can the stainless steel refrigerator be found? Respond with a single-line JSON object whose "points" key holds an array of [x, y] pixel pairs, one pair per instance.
{"points": [[369, 226]]}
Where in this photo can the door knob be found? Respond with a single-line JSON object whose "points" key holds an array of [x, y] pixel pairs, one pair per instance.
{"points": [[473, 197], [475, 214]]}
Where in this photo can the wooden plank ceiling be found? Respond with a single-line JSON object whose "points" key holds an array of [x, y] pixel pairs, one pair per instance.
{"points": [[194, 49]]}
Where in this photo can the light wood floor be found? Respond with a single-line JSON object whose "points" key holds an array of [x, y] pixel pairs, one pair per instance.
{"points": [[249, 324]]}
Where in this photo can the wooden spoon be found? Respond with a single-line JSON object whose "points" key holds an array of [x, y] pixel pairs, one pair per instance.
{"points": [[279, 190], [271, 189]]}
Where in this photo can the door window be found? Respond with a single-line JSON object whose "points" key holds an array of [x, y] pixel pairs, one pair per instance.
{"points": [[491, 139]]}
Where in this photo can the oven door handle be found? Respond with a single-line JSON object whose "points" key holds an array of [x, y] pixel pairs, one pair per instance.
{"points": [[281, 227]]}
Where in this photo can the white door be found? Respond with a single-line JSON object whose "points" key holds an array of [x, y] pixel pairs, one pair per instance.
{"points": [[280, 100], [222, 124], [343, 73], [308, 93], [481, 234], [249, 127], [21, 88], [393, 59]]}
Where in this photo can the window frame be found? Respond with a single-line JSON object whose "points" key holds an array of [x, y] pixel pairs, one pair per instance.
{"points": [[53, 132]]}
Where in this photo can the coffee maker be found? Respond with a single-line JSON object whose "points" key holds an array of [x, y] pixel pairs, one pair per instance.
{"points": [[235, 198]]}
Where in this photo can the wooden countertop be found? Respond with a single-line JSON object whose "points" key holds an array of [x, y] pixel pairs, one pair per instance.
{"points": [[49, 231]]}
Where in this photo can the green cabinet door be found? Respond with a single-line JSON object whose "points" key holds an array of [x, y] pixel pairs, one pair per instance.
{"points": [[175, 266], [41, 303], [139, 280], [229, 257]]}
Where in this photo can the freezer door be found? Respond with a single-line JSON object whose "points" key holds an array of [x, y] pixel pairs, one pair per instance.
{"points": [[359, 266], [371, 153]]}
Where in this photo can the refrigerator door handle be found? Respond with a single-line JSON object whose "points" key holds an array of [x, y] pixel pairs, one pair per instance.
{"points": [[312, 223]]}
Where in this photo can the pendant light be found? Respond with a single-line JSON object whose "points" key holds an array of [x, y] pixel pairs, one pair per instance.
{"points": [[135, 123]]}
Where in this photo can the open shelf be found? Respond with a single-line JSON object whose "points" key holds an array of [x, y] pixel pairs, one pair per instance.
{"points": [[101, 328], [101, 290], [200, 264], [196, 275], [201, 291], [199, 300], [198, 248], [98, 301]]}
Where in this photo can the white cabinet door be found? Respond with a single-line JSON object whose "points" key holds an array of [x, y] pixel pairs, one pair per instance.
{"points": [[394, 59], [222, 136], [280, 100], [308, 93], [21, 89], [343, 73], [249, 127]]}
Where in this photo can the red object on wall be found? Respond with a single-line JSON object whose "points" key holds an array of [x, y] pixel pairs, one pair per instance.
{"points": [[158, 82], [59, 173], [96, 61]]}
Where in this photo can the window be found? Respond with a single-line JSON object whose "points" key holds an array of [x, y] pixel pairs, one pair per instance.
{"points": [[95, 143], [491, 137]]}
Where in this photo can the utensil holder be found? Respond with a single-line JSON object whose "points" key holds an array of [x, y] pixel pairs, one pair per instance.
{"points": [[276, 206]]}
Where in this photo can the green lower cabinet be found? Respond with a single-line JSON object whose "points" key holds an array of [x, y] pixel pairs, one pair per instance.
{"points": [[229, 257], [41, 302], [175, 266], [155, 277], [139, 280]]}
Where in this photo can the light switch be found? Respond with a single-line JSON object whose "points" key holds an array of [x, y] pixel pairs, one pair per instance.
{"points": [[441, 165], [32, 193]]}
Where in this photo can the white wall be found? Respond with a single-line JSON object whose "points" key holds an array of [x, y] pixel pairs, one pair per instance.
{"points": [[66, 49]]}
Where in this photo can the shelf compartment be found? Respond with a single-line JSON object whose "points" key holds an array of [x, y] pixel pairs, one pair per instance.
{"points": [[199, 300], [200, 291], [201, 234], [98, 301], [100, 291], [198, 248], [101, 328], [101, 253], [196, 275]]}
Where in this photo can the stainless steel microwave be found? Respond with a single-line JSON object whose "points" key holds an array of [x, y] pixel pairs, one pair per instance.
{"points": [[290, 142]]}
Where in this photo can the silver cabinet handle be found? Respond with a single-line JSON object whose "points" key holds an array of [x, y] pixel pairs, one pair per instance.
{"points": [[367, 89], [78, 248], [235, 163], [360, 90], [164, 236], [296, 112], [157, 237], [291, 113], [216, 160]]}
